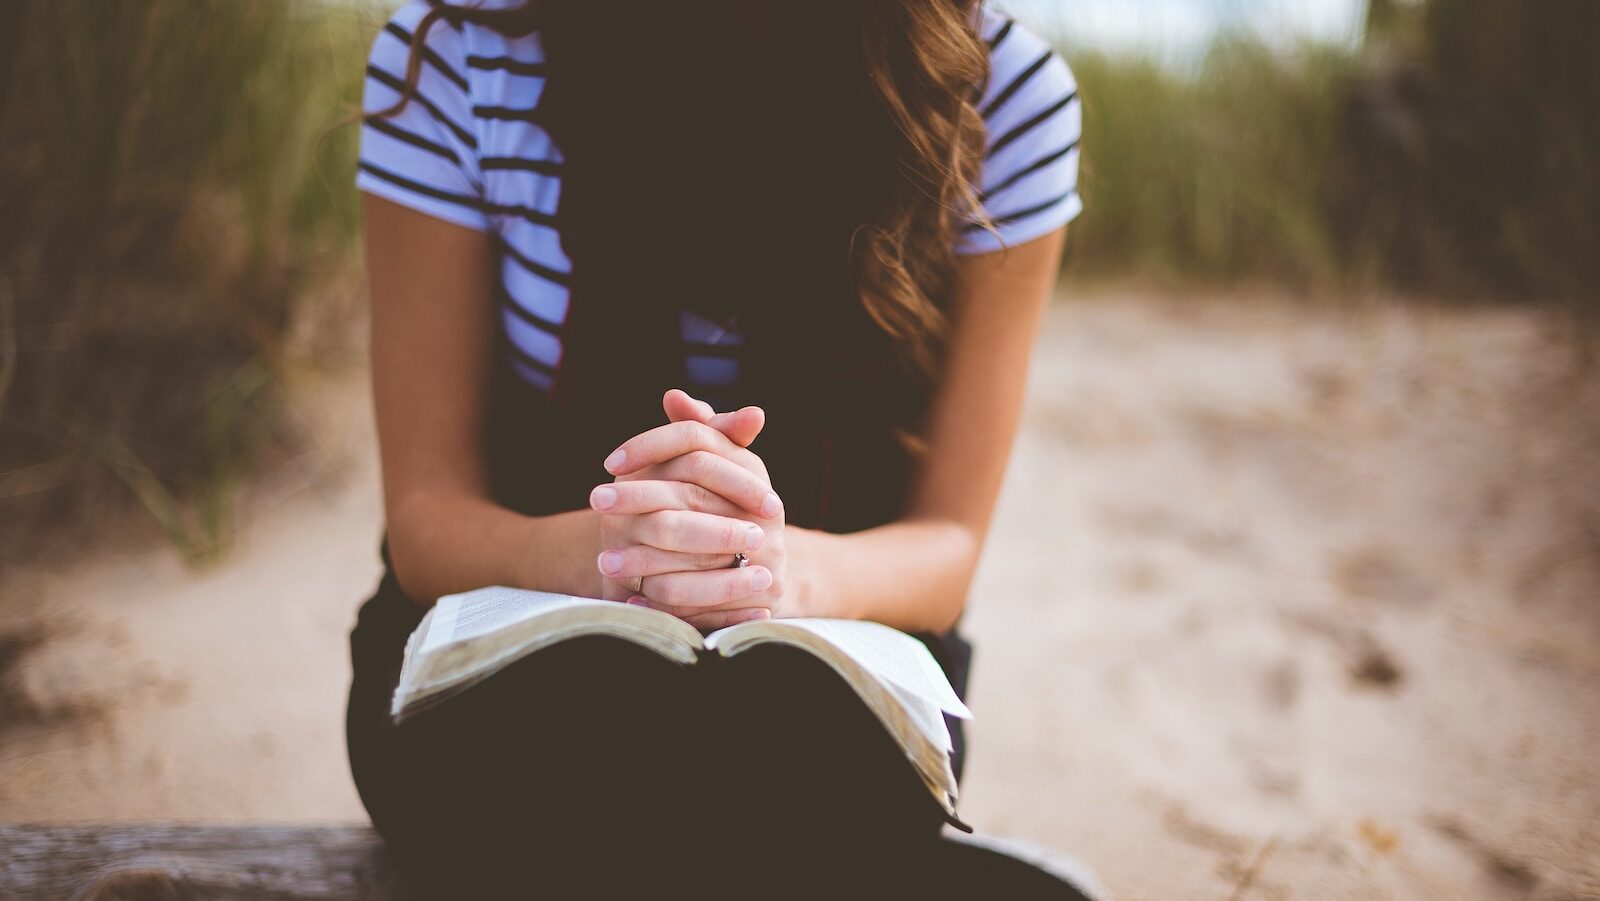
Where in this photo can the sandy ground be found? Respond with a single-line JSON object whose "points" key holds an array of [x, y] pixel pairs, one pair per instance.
{"points": [[1282, 602]]}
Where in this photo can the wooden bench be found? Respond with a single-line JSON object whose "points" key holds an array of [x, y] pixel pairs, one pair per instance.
{"points": [[136, 862], [194, 861]]}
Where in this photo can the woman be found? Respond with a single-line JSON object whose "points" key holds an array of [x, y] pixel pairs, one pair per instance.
{"points": [[839, 221]]}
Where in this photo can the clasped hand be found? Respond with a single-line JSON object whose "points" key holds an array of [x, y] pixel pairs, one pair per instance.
{"points": [[687, 497]]}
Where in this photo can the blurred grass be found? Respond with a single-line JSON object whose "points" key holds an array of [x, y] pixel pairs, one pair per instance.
{"points": [[179, 228], [1455, 153], [1220, 174], [178, 210]]}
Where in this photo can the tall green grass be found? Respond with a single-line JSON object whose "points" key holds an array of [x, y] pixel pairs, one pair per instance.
{"points": [[1219, 174], [1456, 153], [179, 220], [176, 199]]}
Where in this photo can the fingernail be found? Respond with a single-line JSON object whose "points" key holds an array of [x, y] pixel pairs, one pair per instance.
{"points": [[638, 601], [772, 506], [615, 461], [760, 578], [603, 497], [611, 562], [706, 409], [754, 538], [760, 613]]}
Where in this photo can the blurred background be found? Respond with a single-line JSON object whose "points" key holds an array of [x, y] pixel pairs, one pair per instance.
{"points": [[1295, 587]]}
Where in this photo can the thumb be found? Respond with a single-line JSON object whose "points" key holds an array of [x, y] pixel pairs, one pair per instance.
{"points": [[740, 426]]}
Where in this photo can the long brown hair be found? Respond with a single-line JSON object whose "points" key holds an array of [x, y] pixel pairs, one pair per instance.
{"points": [[804, 185], [927, 64]]}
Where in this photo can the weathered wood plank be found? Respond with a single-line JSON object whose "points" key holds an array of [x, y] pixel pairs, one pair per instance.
{"points": [[195, 861], [134, 862]]}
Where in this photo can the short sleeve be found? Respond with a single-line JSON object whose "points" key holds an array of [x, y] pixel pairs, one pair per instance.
{"points": [[1028, 182], [426, 155]]}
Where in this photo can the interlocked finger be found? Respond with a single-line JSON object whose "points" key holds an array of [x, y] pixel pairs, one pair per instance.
{"points": [[629, 563], [660, 493], [708, 620], [690, 532], [693, 592], [717, 475], [675, 439]]}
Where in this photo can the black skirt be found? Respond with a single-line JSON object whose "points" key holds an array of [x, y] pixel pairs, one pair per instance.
{"points": [[596, 748]]}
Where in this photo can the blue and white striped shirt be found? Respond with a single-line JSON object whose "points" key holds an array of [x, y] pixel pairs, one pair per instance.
{"points": [[468, 150]]}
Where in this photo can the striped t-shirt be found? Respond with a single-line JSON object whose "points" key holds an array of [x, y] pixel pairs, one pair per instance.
{"points": [[468, 150]]}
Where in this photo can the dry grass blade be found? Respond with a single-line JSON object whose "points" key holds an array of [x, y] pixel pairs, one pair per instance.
{"points": [[1253, 871]]}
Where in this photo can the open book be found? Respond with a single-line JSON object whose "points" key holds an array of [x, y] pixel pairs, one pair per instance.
{"points": [[467, 637]]}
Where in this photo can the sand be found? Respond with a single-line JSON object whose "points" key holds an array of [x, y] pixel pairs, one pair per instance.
{"points": [[1283, 600]]}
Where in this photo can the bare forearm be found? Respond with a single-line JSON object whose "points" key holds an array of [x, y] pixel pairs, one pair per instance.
{"points": [[912, 575], [444, 543]]}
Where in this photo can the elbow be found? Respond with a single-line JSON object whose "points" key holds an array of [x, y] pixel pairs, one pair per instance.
{"points": [[413, 577], [414, 584], [958, 545], [406, 527], [949, 615]]}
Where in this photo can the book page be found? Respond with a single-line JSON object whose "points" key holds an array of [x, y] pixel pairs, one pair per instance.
{"points": [[468, 637], [458, 617], [926, 716], [886, 653]]}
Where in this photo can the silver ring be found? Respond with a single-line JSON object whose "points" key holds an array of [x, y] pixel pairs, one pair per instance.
{"points": [[740, 561]]}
